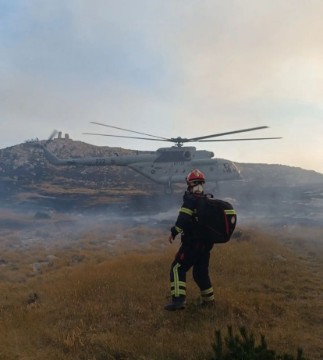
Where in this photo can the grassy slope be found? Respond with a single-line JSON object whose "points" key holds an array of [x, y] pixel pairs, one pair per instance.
{"points": [[102, 302]]}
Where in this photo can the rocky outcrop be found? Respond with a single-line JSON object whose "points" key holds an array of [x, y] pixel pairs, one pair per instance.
{"points": [[25, 164], [26, 176]]}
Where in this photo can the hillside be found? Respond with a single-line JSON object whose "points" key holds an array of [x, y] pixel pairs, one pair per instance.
{"points": [[25, 164], [27, 179], [279, 175]]}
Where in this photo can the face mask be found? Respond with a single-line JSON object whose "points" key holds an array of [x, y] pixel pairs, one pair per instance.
{"points": [[197, 189]]}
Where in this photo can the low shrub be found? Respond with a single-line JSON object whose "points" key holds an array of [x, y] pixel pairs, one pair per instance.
{"points": [[243, 347]]}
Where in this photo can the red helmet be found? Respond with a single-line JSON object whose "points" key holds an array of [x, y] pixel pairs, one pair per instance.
{"points": [[195, 177]]}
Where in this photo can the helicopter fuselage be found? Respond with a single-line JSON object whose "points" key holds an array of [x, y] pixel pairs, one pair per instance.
{"points": [[165, 166], [171, 165]]}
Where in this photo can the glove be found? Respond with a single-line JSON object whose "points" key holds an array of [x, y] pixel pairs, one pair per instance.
{"points": [[173, 233], [171, 239]]}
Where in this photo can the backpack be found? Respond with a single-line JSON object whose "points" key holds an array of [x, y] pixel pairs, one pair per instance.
{"points": [[217, 219]]}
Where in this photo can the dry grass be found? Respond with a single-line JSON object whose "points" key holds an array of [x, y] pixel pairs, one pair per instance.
{"points": [[70, 189], [102, 299]]}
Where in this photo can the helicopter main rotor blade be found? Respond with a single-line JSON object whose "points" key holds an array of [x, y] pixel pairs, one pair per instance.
{"points": [[179, 141], [136, 132], [246, 139], [226, 133], [126, 137]]}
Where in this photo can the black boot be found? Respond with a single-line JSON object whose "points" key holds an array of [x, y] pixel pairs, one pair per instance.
{"points": [[207, 304], [176, 304]]}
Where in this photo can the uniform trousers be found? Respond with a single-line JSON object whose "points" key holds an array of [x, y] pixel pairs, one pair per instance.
{"points": [[196, 254]]}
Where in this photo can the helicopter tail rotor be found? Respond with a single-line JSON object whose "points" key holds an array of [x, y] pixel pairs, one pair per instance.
{"points": [[43, 144], [51, 136]]}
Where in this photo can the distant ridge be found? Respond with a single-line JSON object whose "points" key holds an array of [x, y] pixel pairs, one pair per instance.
{"points": [[26, 174], [26, 163], [279, 174]]}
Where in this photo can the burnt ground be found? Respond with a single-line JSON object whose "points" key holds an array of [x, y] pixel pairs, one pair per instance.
{"points": [[280, 205]]}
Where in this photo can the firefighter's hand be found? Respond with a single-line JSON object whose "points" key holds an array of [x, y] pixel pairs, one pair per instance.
{"points": [[171, 239]]}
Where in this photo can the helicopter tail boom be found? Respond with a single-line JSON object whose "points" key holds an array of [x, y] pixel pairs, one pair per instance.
{"points": [[116, 160]]}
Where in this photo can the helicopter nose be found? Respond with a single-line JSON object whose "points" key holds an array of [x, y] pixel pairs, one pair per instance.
{"points": [[234, 169], [237, 171]]}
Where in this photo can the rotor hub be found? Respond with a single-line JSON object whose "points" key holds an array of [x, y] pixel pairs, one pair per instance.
{"points": [[179, 141]]}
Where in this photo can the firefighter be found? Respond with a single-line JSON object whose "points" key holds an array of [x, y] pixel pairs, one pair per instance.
{"points": [[194, 250]]}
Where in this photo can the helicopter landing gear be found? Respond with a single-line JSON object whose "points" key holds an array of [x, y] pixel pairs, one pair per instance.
{"points": [[215, 189]]}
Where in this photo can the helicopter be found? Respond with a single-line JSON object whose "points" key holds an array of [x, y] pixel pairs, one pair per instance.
{"points": [[167, 165]]}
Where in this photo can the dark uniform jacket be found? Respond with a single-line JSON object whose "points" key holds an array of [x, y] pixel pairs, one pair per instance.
{"points": [[186, 223]]}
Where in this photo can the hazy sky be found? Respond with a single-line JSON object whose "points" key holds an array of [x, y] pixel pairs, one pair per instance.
{"points": [[171, 68]]}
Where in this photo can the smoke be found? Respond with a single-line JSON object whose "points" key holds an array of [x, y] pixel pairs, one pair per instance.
{"points": [[276, 205], [67, 222]]}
